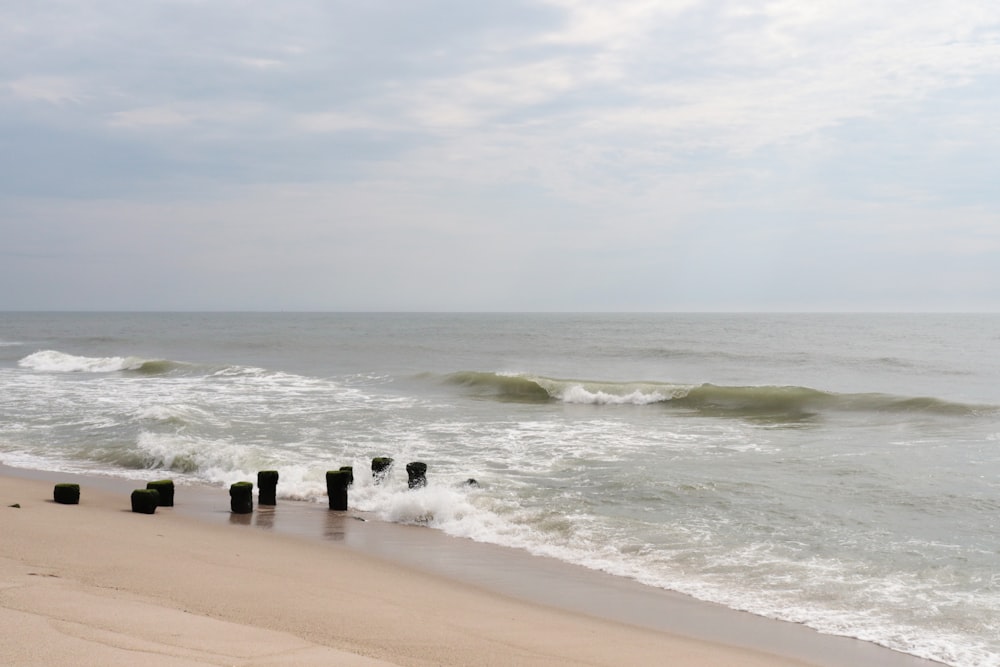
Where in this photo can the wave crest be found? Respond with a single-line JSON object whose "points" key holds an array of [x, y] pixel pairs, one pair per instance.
{"points": [[53, 361], [792, 402], [539, 389], [501, 386]]}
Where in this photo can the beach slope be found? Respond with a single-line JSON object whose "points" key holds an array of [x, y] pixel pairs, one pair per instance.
{"points": [[95, 584]]}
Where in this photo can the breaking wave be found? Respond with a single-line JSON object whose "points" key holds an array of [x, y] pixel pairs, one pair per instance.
{"points": [[705, 398], [53, 361]]}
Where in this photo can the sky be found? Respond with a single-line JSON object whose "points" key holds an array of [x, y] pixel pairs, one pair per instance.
{"points": [[524, 155]]}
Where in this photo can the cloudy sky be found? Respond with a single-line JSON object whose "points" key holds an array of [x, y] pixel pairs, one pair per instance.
{"points": [[524, 155]]}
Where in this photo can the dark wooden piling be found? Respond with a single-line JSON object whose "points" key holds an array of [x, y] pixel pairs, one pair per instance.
{"points": [[165, 487], [417, 474], [336, 488], [241, 497], [66, 494], [145, 501], [350, 474], [381, 465], [267, 487]]}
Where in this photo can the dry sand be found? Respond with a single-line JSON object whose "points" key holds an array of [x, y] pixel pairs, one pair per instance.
{"points": [[95, 584]]}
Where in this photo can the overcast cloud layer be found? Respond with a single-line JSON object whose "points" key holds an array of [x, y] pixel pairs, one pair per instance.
{"points": [[566, 155]]}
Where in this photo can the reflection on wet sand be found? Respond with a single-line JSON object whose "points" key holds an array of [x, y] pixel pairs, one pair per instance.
{"points": [[264, 517], [302, 519]]}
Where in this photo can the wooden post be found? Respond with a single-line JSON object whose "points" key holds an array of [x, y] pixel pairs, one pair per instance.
{"points": [[66, 494], [241, 497], [350, 474], [267, 487], [144, 501], [165, 487], [417, 473], [381, 465], [336, 489]]}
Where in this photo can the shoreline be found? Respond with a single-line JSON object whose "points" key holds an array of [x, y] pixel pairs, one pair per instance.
{"points": [[528, 609]]}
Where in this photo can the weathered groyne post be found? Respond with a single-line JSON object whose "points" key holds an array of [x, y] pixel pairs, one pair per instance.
{"points": [[417, 473], [66, 494], [241, 497], [350, 474], [381, 465], [165, 487], [267, 487], [336, 488], [145, 501]]}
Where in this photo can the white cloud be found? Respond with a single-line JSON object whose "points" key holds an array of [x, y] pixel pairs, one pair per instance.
{"points": [[257, 63], [644, 137], [52, 89], [149, 117], [332, 121], [612, 25]]}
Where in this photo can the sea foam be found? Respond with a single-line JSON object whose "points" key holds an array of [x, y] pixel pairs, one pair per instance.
{"points": [[580, 394], [60, 362]]}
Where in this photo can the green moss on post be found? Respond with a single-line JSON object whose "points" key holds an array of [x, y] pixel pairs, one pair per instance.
{"points": [[350, 474], [267, 487], [336, 489], [145, 501], [165, 487], [241, 497], [381, 465], [66, 494]]}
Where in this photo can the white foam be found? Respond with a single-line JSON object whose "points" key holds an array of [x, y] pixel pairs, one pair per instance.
{"points": [[171, 413], [434, 505], [579, 394], [60, 362], [215, 459]]}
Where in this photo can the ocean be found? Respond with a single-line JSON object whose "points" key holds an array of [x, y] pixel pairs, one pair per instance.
{"points": [[836, 470]]}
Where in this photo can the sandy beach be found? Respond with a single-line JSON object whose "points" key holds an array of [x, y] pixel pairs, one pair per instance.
{"points": [[96, 584]]}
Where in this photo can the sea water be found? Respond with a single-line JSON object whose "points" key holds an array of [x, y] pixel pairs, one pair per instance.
{"points": [[841, 471]]}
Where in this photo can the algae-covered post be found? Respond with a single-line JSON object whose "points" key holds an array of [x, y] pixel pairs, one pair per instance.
{"points": [[241, 497], [144, 501], [381, 465], [417, 473], [350, 474], [66, 494], [336, 488], [165, 487], [267, 487]]}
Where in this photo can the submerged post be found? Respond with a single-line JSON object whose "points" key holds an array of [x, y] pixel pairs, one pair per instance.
{"points": [[417, 473], [145, 501], [267, 487], [165, 487], [381, 465], [336, 488], [66, 494], [241, 497]]}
